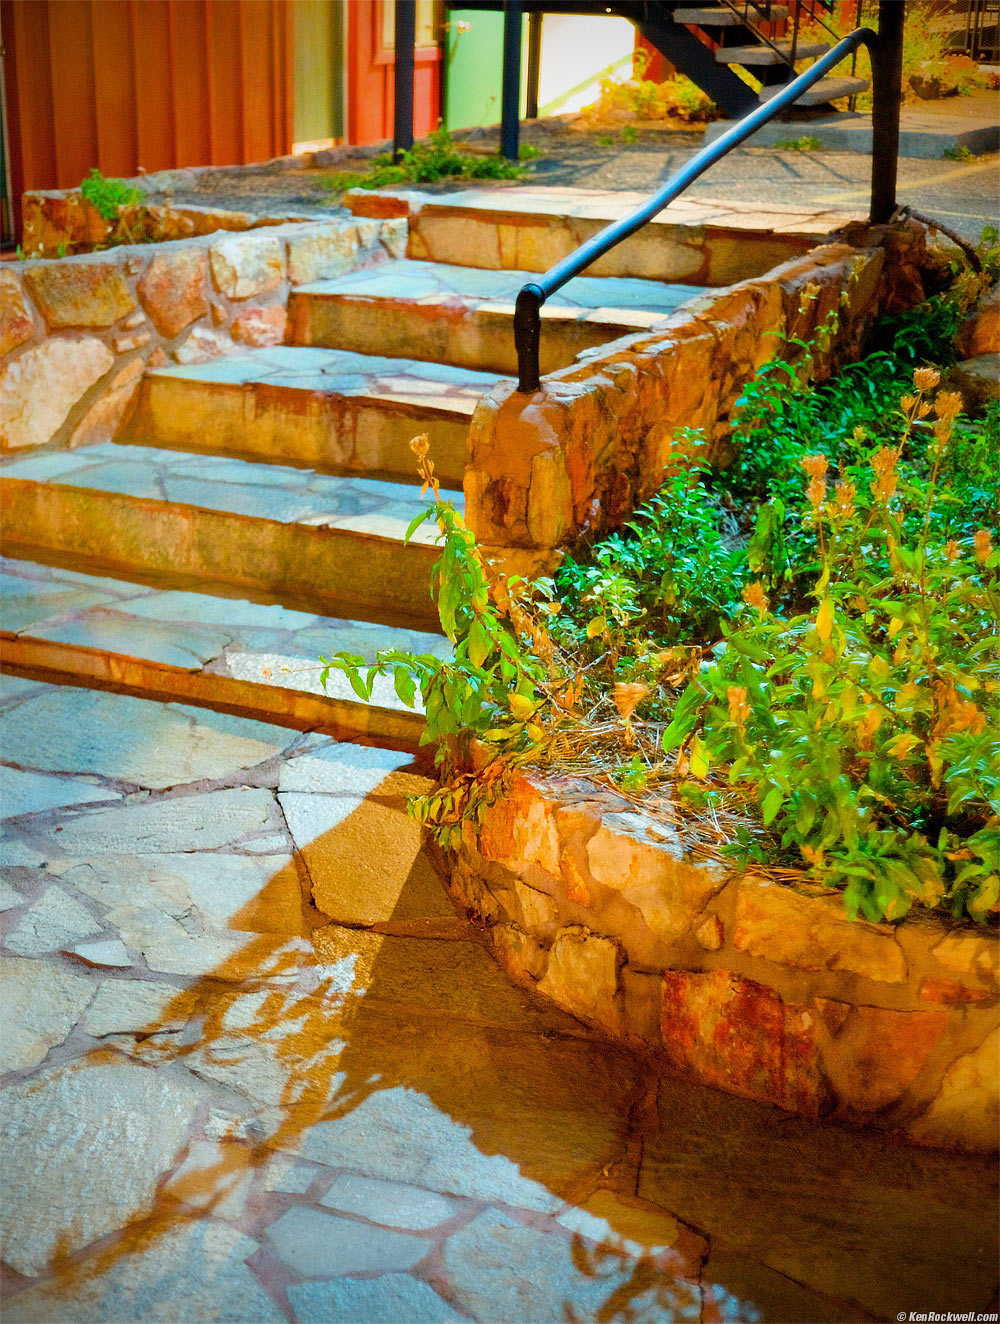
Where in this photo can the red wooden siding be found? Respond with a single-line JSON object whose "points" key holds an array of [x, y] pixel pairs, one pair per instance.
{"points": [[124, 84]]}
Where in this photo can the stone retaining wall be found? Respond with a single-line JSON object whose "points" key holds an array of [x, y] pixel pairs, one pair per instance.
{"points": [[761, 989], [57, 222], [595, 440], [77, 333]]}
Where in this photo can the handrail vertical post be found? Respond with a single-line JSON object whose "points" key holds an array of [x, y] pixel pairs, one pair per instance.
{"points": [[511, 92], [534, 63], [528, 337], [887, 88], [406, 40]]}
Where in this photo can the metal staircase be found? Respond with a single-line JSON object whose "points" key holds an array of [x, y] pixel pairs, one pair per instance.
{"points": [[739, 52]]}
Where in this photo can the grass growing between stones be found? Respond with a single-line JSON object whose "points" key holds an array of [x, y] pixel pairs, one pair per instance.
{"points": [[796, 658]]}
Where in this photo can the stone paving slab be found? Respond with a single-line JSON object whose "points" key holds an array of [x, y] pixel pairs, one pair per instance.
{"points": [[262, 658], [814, 223], [464, 315], [308, 1121], [327, 408], [334, 541]]}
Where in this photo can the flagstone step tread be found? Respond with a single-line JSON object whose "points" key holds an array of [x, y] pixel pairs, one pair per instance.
{"points": [[464, 315], [542, 204], [292, 533], [429, 283], [328, 408], [261, 659], [263, 491]]}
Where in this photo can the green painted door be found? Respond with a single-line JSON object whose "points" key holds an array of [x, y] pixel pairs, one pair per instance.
{"points": [[474, 68]]}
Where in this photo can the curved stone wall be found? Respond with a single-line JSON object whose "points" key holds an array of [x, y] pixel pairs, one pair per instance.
{"points": [[762, 989]]}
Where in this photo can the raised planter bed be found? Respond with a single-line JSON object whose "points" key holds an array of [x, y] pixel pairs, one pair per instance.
{"points": [[759, 988]]}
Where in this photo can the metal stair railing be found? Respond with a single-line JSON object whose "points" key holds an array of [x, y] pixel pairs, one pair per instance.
{"points": [[885, 121]]}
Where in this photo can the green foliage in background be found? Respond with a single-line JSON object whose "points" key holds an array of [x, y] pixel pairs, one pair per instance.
{"points": [[436, 157]]}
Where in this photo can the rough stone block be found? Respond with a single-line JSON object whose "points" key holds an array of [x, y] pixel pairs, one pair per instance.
{"points": [[104, 419], [538, 910], [980, 333], [964, 1113], [72, 293], [322, 253], [247, 265], [876, 1053], [812, 933], [38, 390], [518, 952], [582, 975], [721, 1029], [201, 345], [393, 235], [969, 954], [643, 860], [16, 325], [520, 830], [260, 326], [172, 289]]}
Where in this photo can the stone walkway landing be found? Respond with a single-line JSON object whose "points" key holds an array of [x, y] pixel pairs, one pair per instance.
{"points": [[256, 1069]]}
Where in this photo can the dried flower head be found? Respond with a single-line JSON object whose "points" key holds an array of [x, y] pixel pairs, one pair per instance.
{"points": [[908, 403], [842, 506], [948, 406], [815, 465], [982, 543], [754, 596], [926, 379], [883, 464], [420, 445], [739, 709], [628, 695], [951, 549]]}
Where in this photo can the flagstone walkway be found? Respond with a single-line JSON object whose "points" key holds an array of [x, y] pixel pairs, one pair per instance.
{"points": [[224, 1104]]}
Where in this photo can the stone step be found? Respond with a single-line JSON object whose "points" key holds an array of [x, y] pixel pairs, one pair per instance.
{"points": [[827, 89], [333, 543], [711, 16], [697, 241], [257, 659], [464, 315], [326, 408], [779, 52]]}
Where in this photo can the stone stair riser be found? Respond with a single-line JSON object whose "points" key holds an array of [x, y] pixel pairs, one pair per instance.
{"points": [[337, 569], [479, 338], [284, 426], [46, 659]]}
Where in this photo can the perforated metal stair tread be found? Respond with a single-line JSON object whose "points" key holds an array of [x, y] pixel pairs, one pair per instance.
{"points": [[764, 54], [827, 89], [711, 16]]}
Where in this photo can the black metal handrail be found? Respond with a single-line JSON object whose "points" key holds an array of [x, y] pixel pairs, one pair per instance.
{"points": [[527, 312]]}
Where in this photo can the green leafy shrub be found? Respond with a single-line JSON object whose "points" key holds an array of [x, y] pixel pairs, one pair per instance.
{"points": [[806, 143], [106, 196], [675, 571], [867, 728], [437, 157]]}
